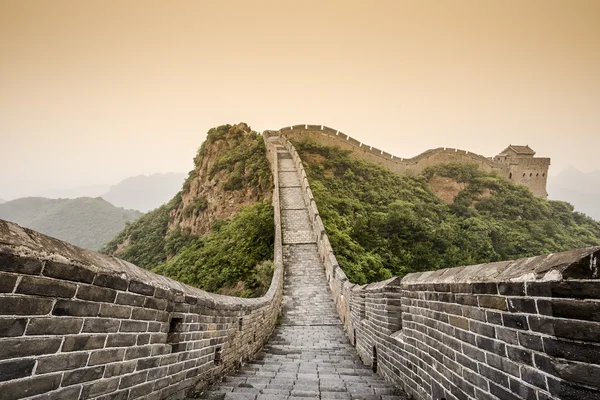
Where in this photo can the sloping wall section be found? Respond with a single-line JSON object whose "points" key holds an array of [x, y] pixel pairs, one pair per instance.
{"points": [[527, 329], [75, 324], [530, 172]]}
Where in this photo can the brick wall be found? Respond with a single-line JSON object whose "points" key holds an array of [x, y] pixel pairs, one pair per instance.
{"points": [[527, 329], [75, 324]]}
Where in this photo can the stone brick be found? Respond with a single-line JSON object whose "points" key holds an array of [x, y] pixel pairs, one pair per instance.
{"points": [[138, 352], [82, 375], [566, 289], [61, 362], [118, 369], [7, 282], [68, 272], [484, 288], [576, 330], [95, 293], [575, 351], [24, 347], [121, 340], [502, 393], [511, 288], [16, 369], [530, 341], [534, 377], [10, 327], [143, 314], [519, 355], [507, 335], [568, 391], [141, 390], [495, 302], [573, 309], [482, 329], [21, 265], [71, 392], [491, 345], [22, 388], [111, 281], [141, 288], [493, 375], [101, 325], [133, 379], [76, 308], [154, 303], [130, 299], [134, 326], [114, 311], [521, 305], [54, 326], [40, 286], [22, 306], [83, 342], [106, 356], [97, 388], [515, 321]]}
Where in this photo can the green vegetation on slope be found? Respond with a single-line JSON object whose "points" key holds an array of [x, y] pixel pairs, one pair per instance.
{"points": [[144, 241], [86, 222], [231, 257], [235, 257], [382, 224]]}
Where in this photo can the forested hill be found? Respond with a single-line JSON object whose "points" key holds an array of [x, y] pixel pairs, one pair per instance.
{"points": [[381, 224], [86, 222], [217, 232]]}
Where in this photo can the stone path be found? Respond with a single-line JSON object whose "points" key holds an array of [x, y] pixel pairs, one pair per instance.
{"points": [[309, 356]]}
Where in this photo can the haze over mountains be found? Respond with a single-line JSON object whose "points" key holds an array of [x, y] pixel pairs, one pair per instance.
{"points": [[142, 192], [581, 189], [86, 222], [89, 216]]}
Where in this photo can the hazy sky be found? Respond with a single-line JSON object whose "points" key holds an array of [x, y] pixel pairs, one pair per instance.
{"points": [[95, 91]]}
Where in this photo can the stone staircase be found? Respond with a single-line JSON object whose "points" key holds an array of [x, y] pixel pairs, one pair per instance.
{"points": [[309, 356]]}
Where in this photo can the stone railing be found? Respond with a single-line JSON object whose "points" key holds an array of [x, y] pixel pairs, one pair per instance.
{"points": [[75, 324], [525, 329]]}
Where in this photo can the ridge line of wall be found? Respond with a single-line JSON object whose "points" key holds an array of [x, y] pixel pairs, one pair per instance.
{"points": [[530, 172]]}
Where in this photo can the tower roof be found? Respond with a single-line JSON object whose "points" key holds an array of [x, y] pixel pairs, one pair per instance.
{"points": [[522, 150]]}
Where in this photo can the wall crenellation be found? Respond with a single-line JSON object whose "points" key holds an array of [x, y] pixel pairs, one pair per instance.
{"points": [[529, 171]]}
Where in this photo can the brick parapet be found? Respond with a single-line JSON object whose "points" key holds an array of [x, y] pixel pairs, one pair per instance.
{"points": [[76, 324], [523, 329]]}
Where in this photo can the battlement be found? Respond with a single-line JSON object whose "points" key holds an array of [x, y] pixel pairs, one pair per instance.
{"points": [[519, 166]]}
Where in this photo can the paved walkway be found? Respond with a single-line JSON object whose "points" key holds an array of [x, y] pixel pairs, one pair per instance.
{"points": [[309, 356]]}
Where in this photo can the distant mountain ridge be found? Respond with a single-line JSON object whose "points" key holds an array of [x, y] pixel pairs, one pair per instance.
{"points": [[581, 189], [141, 192], [145, 192], [86, 222]]}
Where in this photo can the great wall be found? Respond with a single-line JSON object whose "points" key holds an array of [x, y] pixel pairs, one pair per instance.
{"points": [[78, 325]]}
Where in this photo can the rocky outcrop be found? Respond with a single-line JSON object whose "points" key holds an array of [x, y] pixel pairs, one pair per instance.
{"points": [[231, 171]]}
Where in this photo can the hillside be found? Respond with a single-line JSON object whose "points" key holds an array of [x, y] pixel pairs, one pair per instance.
{"points": [[217, 232], [2, 201], [145, 192], [86, 222], [382, 224], [578, 188]]}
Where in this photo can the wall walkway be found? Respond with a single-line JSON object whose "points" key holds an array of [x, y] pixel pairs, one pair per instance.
{"points": [[309, 355]]}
